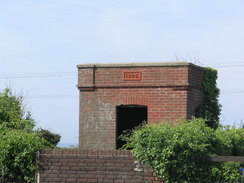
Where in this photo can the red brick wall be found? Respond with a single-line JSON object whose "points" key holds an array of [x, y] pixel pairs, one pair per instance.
{"points": [[112, 75], [84, 166], [195, 93], [98, 109], [171, 91]]}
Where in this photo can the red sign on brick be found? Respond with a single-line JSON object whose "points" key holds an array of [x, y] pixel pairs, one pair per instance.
{"points": [[132, 76]]}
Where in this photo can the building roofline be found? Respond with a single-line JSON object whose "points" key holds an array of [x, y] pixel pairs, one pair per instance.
{"points": [[137, 64]]}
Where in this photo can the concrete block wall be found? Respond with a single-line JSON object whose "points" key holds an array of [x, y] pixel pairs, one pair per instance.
{"points": [[171, 91], [92, 166]]}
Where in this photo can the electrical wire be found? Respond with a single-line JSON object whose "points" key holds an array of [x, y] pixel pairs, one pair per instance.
{"points": [[77, 97], [53, 97], [65, 74], [37, 75], [232, 92], [220, 66]]}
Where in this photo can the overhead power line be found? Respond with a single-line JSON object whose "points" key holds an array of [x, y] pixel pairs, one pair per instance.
{"points": [[68, 74], [54, 97], [76, 96], [231, 92], [37, 75], [219, 66]]}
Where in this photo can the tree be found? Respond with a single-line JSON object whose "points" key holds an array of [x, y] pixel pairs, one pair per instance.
{"points": [[12, 114], [19, 142], [50, 137]]}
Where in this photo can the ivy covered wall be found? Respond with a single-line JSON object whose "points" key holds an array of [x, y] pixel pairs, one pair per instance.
{"points": [[210, 109]]}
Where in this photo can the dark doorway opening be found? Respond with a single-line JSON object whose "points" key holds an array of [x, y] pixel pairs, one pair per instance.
{"points": [[128, 117]]}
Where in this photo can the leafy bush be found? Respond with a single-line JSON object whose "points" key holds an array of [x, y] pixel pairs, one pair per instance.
{"points": [[231, 141], [18, 150], [226, 172], [174, 151], [177, 154], [19, 142]]}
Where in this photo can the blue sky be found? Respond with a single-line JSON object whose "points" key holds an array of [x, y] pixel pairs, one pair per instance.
{"points": [[41, 42]]}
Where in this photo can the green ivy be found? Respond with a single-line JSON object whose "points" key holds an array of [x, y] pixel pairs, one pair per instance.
{"points": [[210, 110]]}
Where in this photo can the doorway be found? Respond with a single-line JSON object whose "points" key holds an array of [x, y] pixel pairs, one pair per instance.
{"points": [[128, 117]]}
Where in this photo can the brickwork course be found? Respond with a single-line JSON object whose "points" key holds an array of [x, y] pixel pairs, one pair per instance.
{"points": [[170, 91], [97, 166]]}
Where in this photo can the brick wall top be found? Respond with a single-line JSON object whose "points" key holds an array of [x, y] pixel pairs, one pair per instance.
{"points": [[151, 74], [99, 166], [120, 65], [77, 152]]}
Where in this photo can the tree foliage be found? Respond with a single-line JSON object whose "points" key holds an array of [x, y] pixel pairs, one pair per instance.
{"points": [[12, 114], [19, 142], [181, 150], [18, 151], [50, 137], [231, 141]]}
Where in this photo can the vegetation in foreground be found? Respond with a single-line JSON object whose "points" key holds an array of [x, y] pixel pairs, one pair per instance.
{"points": [[19, 141], [177, 154]]}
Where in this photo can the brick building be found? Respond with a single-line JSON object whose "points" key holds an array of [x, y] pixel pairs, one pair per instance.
{"points": [[113, 98], [117, 97]]}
